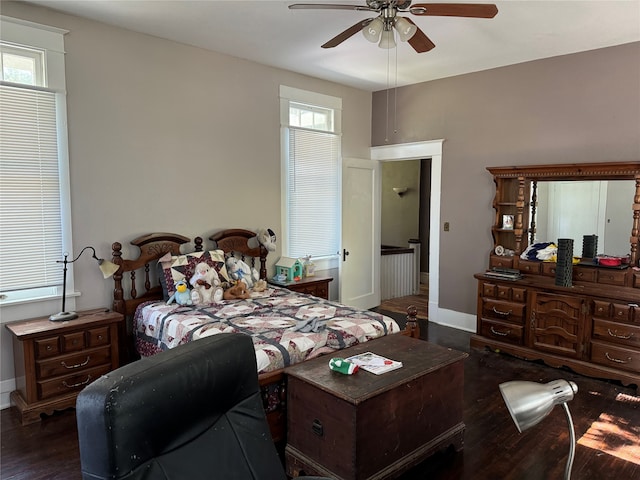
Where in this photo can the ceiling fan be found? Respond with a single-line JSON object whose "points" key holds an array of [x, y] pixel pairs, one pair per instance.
{"points": [[380, 29]]}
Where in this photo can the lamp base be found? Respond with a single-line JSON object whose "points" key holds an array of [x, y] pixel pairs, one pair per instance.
{"points": [[63, 316]]}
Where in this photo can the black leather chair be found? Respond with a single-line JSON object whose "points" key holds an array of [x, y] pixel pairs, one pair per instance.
{"points": [[194, 412]]}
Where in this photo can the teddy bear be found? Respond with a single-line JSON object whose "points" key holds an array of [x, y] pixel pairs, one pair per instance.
{"points": [[267, 238], [237, 291], [206, 285], [181, 295], [238, 270]]}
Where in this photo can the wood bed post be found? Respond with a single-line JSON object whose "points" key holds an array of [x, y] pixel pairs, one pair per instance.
{"points": [[118, 296]]}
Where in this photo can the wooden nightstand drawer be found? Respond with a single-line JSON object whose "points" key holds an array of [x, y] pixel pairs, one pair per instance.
{"points": [[73, 341], [47, 347], [70, 383], [66, 364], [98, 337]]}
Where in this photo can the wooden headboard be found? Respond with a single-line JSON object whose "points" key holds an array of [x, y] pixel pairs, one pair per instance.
{"points": [[133, 280], [237, 242], [152, 247]]}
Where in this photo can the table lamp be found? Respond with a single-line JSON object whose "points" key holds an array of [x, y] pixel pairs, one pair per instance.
{"points": [[530, 402], [107, 268]]}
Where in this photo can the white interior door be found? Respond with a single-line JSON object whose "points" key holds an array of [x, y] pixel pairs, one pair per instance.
{"points": [[360, 256], [571, 200]]}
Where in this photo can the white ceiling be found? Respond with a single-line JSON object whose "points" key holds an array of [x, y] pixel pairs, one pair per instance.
{"points": [[266, 31]]}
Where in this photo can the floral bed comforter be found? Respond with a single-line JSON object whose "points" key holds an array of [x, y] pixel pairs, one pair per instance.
{"points": [[286, 327]]}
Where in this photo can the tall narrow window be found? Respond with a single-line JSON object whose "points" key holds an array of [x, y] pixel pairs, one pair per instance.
{"points": [[311, 174], [34, 209]]}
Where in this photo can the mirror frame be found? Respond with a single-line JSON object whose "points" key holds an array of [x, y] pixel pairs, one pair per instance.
{"points": [[578, 171]]}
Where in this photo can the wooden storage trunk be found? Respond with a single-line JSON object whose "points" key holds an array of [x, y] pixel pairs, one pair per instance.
{"points": [[367, 426]]}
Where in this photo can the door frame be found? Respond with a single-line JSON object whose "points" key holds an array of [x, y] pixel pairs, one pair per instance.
{"points": [[417, 151]]}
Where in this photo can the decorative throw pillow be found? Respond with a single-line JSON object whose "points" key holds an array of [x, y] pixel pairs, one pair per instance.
{"points": [[183, 267]]}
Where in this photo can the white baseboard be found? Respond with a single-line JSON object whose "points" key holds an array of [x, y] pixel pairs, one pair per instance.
{"points": [[6, 387], [451, 318]]}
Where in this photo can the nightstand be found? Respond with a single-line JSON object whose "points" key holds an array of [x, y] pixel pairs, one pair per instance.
{"points": [[317, 286], [55, 360]]}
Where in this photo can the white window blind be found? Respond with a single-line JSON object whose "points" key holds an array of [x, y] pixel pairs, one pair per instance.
{"points": [[30, 210], [312, 193]]}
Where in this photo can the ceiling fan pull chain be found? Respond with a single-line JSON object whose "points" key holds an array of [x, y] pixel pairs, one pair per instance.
{"points": [[386, 133], [395, 98]]}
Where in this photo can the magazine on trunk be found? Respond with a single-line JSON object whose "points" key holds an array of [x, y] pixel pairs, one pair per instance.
{"points": [[374, 363]]}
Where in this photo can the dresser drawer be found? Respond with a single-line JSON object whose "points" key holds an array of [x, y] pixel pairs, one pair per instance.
{"points": [[73, 363], [584, 274], [500, 262], [70, 383], [503, 311], [612, 277], [615, 357], [549, 269], [74, 341], [47, 347], [618, 333], [505, 332], [97, 337], [528, 266], [504, 292]]}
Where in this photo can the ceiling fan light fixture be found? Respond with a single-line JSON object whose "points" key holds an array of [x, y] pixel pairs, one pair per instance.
{"points": [[372, 31], [386, 40], [405, 28]]}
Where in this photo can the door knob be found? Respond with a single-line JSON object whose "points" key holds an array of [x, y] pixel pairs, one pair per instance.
{"points": [[344, 254]]}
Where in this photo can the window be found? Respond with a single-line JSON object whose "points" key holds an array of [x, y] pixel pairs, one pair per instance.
{"points": [[310, 174], [34, 205]]}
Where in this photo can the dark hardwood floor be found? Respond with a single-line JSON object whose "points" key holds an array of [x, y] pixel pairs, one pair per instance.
{"points": [[606, 415]]}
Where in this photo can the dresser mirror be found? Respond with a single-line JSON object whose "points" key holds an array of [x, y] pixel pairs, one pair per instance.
{"points": [[572, 209], [548, 202]]}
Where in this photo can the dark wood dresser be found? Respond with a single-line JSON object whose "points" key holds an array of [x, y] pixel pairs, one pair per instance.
{"points": [[586, 317], [367, 426], [55, 360]]}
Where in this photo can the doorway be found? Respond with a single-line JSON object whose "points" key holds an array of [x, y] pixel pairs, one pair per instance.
{"points": [[418, 151]]}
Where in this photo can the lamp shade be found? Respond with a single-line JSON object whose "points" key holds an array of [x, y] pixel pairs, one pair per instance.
{"points": [[386, 40], [107, 268], [405, 28], [372, 31], [530, 402]]}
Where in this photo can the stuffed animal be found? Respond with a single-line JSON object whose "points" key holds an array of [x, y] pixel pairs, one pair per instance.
{"points": [[181, 295], [259, 286], [238, 270], [206, 285], [238, 291], [267, 238]]}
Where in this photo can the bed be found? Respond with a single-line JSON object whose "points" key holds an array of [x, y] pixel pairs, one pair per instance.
{"points": [[286, 327]]}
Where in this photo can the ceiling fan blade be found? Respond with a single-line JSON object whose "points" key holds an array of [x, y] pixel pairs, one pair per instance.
{"points": [[349, 32], [329, 6], [420, 42], [475, 10]]}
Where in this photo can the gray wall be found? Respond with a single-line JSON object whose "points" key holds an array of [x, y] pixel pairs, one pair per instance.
{"points": [[400, 215], [168, 137], [583, 107]]}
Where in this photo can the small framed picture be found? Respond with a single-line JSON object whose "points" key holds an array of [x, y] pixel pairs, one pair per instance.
{"points": [[507, 222]]}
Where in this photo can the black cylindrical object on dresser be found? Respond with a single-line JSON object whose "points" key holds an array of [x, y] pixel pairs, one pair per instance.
{"points": [[564, 263], [589, 246]]}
